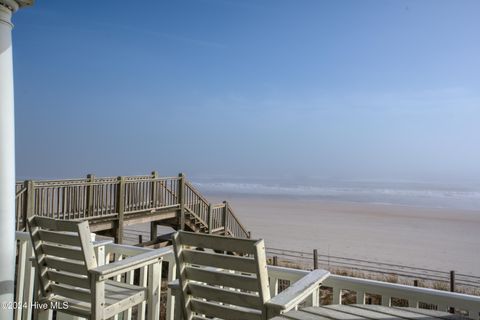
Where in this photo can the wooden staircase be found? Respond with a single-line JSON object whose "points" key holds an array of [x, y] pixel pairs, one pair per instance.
{"points": [[202, 216], [172, 201]]}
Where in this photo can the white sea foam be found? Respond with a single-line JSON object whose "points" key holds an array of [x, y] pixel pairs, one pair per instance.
{"points": [[403, 195]]}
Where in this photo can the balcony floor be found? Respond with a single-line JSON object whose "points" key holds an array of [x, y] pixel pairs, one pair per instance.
{"points": [[359, 312]]}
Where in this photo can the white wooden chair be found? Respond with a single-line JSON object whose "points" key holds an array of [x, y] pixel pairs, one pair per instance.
{"points": [[214, 282], [68, 273]]}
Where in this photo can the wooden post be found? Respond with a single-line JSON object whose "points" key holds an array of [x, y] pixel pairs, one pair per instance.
{"points": [[153, 230], [29, 200], [154, 190], [452, 281], [154, 196], [452, 287], [275, 261], [315, 259], [181, 198], [121, 209], [225, 216], [90, 195], [153, 292], [210, 218]]}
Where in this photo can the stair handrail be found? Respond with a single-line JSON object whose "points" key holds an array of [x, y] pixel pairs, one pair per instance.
{"points": [[234, 216], [196, 192], [230, 212]]}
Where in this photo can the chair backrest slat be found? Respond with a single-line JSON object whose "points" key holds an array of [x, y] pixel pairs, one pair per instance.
{"points": [[238, 298], [64, 265], [221, 277], [223, 311], [64, 254], [239, 245], [56, 237], [69, 279], [223, 261]]}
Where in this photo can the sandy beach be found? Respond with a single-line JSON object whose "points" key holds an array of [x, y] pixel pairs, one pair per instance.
{"points": [[439, 239], [442, 239]]}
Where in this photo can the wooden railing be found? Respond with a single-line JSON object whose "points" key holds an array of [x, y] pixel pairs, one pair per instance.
{"points": [[233, 226], [219, 217], [390, 293], [115, 197], [196, 203]]}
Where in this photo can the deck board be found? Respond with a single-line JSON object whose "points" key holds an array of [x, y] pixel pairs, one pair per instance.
{"points": [[364, 312], [333, 314], [408, 313]]}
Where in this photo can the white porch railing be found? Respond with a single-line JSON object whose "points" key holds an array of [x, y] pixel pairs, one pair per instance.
{"points": [[443, 300], [25, 283]]}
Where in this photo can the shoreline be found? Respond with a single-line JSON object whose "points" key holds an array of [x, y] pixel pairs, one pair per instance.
{"points": [[219, 197]]}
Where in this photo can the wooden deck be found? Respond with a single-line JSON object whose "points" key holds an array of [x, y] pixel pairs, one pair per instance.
{"points": [[367, 312], [112, 203]]}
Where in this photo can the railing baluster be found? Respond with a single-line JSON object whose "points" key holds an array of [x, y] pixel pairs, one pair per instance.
{"points": [[337, 295], [142, 283]]}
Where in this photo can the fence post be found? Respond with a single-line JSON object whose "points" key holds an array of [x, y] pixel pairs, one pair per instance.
{"points": [[90, 196], [153, 231], [29, 201], [181, 198], [121, 209], [153, 190], [415, 283], [452, 281], [140, 238], [154, 196], [275, 261], [452, 287], [225, 216], [210, 218], [315, 259]]}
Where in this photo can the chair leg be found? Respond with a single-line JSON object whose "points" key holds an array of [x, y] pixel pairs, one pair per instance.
{"points": [[64, 316], [44, 314], [178, 307]]}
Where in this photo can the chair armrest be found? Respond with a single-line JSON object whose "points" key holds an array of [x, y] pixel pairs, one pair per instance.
{"points": [[131, 263], [174, 286], [100, 243], [297, 292]]}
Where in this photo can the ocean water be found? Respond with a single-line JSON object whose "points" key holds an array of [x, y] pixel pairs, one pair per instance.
{"points": [[462, 196]]}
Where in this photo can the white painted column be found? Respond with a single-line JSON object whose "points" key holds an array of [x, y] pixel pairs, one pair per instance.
{"points": [[7, 157], [7, 165]]}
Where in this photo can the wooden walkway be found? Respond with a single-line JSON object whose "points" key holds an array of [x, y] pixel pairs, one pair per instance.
{"points": [[365, 312], [112, 203]]}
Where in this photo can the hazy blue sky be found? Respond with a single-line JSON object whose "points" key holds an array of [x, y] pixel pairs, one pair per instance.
{"points": [[347, 89]]}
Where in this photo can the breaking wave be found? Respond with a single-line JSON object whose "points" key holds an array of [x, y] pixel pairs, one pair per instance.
{"points": [[440, 197]]}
